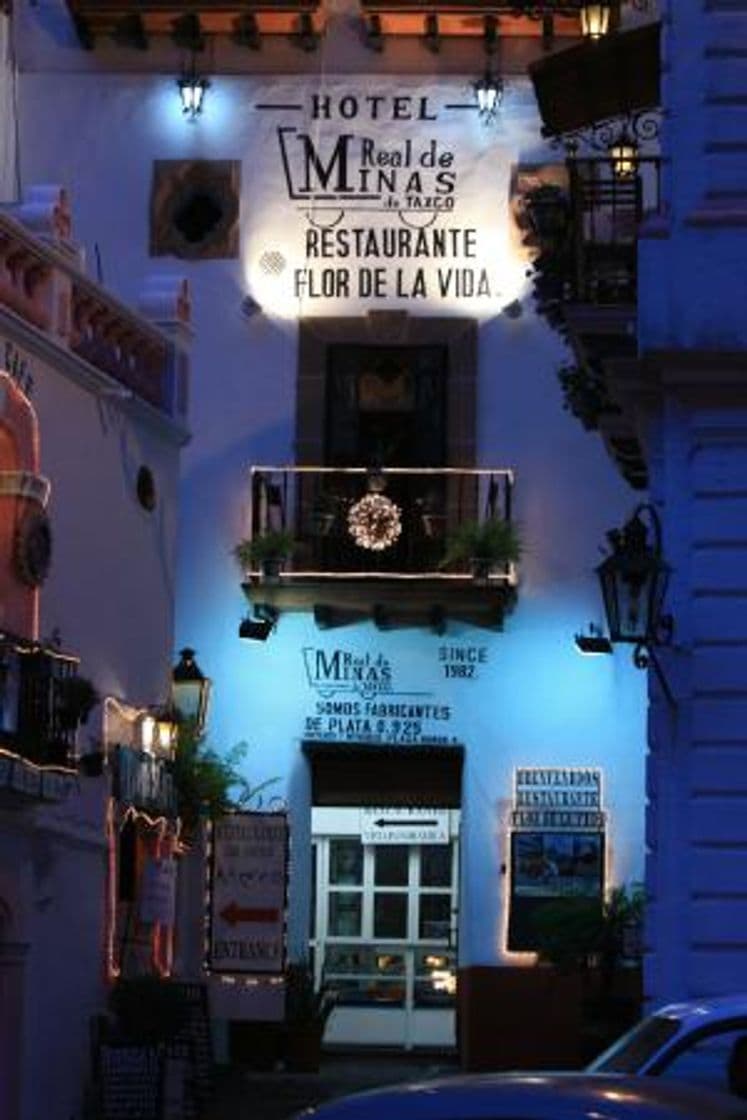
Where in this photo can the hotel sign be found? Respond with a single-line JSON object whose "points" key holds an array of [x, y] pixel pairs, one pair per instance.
{"points": [[396, 197]]}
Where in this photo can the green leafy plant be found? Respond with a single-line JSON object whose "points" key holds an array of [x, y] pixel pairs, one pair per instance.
{"points": [[494, 541], [585, 395], [306, 1005], [76, 697], [274, 544], [588, 933], [206, 782]]}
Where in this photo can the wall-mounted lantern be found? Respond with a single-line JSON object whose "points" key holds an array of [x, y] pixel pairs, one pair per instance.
{"points": [[623, 154], [595, 18], [190, 689], [192, 90], [489, 91], [633, 580]]}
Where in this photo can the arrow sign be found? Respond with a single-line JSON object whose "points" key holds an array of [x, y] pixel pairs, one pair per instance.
{"points": [[234, 913], [383, 823]]}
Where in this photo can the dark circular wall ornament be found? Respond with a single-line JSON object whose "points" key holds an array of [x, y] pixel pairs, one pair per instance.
{"points": [[32, 552], [146, 489]]}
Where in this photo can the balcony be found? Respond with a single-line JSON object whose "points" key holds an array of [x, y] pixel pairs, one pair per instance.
{"points": [[586, 285], [47, 303], [144, 782], [346, 567], [38, 722]]}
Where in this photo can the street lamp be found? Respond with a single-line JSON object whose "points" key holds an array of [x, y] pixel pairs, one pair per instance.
{"points": [[190, 689], [595, 18], [633, 580]]}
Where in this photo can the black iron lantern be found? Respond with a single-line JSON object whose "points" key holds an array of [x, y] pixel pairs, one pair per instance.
{"points": [[190, 689], [634, 579], [489, 95]]}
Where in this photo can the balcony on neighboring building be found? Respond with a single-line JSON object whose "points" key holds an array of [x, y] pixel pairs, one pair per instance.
{"points": [[40, 692], [600, 101], [49, 307], [392, 545], [143, 781]]}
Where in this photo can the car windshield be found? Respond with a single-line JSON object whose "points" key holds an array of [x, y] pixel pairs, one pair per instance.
{"points": [[633, 1051]]}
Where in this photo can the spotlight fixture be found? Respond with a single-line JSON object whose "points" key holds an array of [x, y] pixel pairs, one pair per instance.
{"points": [[192, 91], [258, 628], [594, 643], [595, 18], [249, 307], [489, 95]]}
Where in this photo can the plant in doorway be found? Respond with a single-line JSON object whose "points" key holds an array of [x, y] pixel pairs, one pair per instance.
{"points": [[307, 1011]]}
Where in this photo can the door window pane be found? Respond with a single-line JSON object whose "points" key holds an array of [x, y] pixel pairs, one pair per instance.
{"points": [[390, 915], [435, 865], [346, 862], [390, 865], [435, 916], [435, 978], [344, 914]]}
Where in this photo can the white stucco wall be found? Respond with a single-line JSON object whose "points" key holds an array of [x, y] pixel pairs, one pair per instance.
{"points": [[538, 703]]}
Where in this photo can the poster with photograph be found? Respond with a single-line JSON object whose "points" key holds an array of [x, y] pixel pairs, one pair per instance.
{"points": [[547, 867], [557, 864]]}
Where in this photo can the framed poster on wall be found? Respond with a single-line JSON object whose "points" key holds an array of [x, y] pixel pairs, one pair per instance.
{"points": [[547, 866]]}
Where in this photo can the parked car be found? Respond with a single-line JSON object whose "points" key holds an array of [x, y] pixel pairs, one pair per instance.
{"points": [[534, 1096], [701, 1041]]}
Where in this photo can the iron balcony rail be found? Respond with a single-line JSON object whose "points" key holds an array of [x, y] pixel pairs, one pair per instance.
{"points": [[35, 722], [607, 209], [313, 503]]}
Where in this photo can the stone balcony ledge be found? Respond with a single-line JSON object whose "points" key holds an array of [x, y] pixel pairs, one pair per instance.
{"points": [[42, 282]]}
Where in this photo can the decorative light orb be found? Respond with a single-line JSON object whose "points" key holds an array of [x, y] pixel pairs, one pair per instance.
{"points": [[374, 522]]}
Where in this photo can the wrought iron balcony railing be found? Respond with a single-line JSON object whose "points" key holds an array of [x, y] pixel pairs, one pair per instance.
{"points": [[607, 208], [334, 538], [37, 720], [144, 781]]}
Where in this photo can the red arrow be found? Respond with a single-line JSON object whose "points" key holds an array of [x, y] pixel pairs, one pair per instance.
{"points": [[234, 913]]}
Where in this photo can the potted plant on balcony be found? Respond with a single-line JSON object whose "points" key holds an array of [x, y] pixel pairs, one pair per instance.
{"points": [[267, 551], [75, 699], [483, 545], [307, 1010]]}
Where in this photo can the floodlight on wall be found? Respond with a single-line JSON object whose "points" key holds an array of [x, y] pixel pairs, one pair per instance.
{"points": [[489, 91], [595, 18], [190, 689], [633, 580], [259, 627], [594, 643]]}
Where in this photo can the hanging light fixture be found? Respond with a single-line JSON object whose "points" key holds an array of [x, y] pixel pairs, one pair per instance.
{"points": [[624, 156], [192, 89], [489, 95], [595, 18]]}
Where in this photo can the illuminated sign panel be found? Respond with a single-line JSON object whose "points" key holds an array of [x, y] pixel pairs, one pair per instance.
{"points": [[393, 199], [557, 845]]}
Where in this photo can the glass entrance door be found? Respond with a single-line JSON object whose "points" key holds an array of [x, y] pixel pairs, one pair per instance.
{"points": [[384, 929]]}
